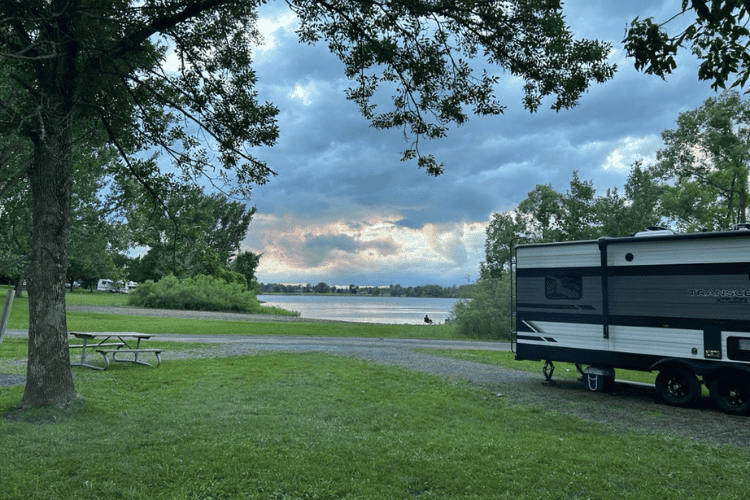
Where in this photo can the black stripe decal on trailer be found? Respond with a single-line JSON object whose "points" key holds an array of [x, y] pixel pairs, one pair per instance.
{"points": [[537, 339], [681, 269], [642, 321], [583, 307], [652, 270], [559, 317], [540, 272]]}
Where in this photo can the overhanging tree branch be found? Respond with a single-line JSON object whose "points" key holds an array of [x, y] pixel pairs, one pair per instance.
{"points": [[17, 261]]}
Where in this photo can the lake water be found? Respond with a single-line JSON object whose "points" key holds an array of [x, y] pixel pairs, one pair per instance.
{"points": [[364, 308]]}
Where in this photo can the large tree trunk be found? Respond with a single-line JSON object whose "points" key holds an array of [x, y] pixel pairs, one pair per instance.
{"points": [[49, 380]]}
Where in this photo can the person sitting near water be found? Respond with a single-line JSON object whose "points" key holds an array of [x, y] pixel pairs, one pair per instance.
{"points": [[427, 320]]}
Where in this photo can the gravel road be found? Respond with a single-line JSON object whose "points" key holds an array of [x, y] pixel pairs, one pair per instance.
{"points": [[626, 408]]}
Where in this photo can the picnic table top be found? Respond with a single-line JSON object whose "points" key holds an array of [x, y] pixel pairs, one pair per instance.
{"points": [[93, 335]]}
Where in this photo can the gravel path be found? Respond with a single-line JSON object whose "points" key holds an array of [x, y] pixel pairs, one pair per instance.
{"points": [[399, 352], [626, 408]]}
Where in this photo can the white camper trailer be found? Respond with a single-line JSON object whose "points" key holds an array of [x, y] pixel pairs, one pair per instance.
{"points": [[107, 285], [659, 301]]}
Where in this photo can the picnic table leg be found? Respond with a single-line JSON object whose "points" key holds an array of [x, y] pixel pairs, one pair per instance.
{"points": [[106, 361], [83, 358], [137, 346], [83, 351]]}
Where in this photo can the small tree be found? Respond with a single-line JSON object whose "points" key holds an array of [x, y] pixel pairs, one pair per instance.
{"points": [[246, 263], [487, 314], [705, 160]]}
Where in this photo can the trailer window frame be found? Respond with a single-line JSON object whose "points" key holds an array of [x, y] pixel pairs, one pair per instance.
{"points": [[738, 348], [563, 286]]}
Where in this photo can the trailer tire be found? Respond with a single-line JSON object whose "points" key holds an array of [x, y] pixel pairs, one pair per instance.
{"points": [[731, 393], [678, 386]]}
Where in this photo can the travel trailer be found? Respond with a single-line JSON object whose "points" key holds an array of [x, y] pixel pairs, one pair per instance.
{"points": [[678, 304], [107, 285]]}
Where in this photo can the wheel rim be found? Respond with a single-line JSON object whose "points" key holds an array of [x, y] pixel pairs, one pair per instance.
{"points": [[734, 392], [678, 387]]}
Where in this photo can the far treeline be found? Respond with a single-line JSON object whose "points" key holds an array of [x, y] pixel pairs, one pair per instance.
{"points": [[437, 291], [699, 182], [201, 237]]}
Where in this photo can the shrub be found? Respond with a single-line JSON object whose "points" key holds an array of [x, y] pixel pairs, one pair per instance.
{"points": [[487, 314], [199, 293], [232, 277]]}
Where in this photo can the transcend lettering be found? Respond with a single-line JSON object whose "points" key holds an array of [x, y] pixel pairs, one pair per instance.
{"points": [[720, 293]]}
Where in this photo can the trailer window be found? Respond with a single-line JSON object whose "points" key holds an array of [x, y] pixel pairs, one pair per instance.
{"points": [[738, 348], [563, 287]]}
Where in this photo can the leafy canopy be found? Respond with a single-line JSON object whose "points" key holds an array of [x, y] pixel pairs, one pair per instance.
{"points": [[101, 64], [719, 37], [420, 50], [706, 159]]}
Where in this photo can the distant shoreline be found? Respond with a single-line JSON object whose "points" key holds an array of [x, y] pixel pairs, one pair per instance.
{"points": [[347, 294]]}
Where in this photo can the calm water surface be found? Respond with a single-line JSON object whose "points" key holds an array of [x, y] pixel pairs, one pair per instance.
{"points": [[364, 309]]}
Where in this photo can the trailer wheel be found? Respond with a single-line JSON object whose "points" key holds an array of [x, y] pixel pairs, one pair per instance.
{"points": [[678, 386], [731, 393]]}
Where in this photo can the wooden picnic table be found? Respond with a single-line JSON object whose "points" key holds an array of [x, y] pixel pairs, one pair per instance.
{"points": [[114, 343]]}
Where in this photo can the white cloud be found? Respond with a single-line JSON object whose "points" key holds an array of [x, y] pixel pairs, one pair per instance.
{"points": [[272, 20], [628, 150], [305, 93], [324, 250]]}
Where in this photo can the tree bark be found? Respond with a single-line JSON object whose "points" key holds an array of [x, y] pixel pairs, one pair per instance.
{"points": [[49, 380], [19, 284]]}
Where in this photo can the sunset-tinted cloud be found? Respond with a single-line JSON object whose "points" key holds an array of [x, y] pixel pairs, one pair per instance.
{"points": [[345, 209]]}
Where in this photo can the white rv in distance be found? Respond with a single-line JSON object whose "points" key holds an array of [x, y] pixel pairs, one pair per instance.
{"points": [[659, 301], [107, 285]]}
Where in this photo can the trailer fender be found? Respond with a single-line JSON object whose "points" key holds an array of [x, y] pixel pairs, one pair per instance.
{"points": [[702, 368]]}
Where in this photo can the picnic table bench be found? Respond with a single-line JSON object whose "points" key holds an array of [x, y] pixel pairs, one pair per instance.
{"points": [[120, 344]]}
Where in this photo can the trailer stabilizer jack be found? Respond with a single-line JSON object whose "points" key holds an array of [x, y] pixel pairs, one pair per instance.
{"points": [[548, 370]]}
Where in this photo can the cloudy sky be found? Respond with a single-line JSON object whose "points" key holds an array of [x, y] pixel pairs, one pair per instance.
{"points": [[344, 209]]}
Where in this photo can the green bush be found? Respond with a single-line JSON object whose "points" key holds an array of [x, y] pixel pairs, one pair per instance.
{"points": [[199, 293], [232, 277], [487, 314]]}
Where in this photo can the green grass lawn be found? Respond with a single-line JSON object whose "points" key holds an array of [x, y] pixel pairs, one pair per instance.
{"points": [[316, 426], [313, 425], [95, 322]]}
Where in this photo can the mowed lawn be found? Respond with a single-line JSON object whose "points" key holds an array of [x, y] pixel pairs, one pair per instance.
{"points": [[98, 322], [317, 426]]}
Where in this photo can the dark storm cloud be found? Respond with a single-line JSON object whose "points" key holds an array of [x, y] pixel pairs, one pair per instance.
{"points": [[318, 249], [333, 167]]}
